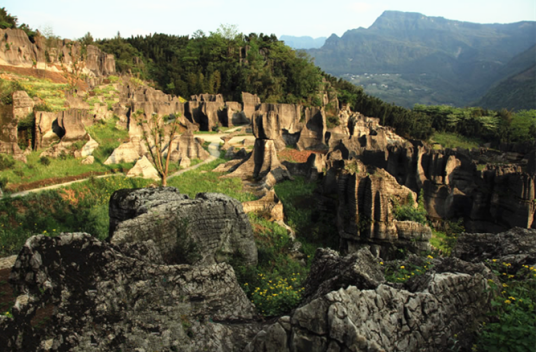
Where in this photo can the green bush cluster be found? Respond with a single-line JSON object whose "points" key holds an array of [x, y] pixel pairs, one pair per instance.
{"points": [[6, 162], [275, 285], [409, 212], [512, 321], [402, 273], [275, 297]]}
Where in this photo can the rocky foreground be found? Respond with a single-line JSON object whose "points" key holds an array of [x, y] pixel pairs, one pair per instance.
{"points": [[126, 294]]}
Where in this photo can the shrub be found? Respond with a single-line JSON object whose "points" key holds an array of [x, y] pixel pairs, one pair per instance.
{"points": [[512, 325], [402, 273], [3, 182], [332, 121], [275, 297], [409, 212], [44, 161], [6, 162]]}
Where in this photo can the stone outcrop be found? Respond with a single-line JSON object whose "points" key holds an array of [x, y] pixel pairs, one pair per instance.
{"points": [[331, 272], [19, 51], [108, 298], [72, 123], [8, 133], [143, 168], [204, 110], [22, 105], [262, 161], [250, 103], [493, 199], [313, 133], [68, 127], [377, 317], [517, 245], [233, 114], [365, 212], [216, 224], [126, 152], [47, 130], [269, 206], [188, 146]]}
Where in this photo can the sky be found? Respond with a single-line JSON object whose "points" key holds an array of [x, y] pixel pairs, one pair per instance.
{"points": [[316, 18]]}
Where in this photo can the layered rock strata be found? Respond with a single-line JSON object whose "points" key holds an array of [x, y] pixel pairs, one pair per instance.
{"points": [[216, 224], [365, 215]]}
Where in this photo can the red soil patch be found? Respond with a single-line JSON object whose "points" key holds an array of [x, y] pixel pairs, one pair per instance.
{"points": [[296, 156]]}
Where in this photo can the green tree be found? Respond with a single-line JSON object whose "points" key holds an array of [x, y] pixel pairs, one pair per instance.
{"points": [[7, 20], [159, 134]]}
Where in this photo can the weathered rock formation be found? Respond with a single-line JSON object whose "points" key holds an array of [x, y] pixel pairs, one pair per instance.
{"points": [[107, 298], [366, 200], [127, 152], [188, 146], [22, 105], [69, 126], [493, 199], [216, 224], [8, 133], [373, 316], [203, 110], [250, 103], [517, 245], [18, 50], [143, 168]]}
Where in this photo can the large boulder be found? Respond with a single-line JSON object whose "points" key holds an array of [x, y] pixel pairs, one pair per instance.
{"points": [[517, 245], [312, 135], [211, 228], [109, 298], [126, 153], [47, 130], [331, 272]]}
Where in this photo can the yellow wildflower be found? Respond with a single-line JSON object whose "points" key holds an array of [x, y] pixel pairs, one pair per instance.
{"points": [[507, 301]]}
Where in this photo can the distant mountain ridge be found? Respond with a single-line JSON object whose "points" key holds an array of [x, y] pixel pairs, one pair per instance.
{"points": [[517, 91], [304, 42], [439, 61]]}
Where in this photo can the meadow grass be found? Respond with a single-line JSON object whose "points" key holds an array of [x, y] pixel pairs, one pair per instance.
{"points": [[452, 140], [83, 206]]}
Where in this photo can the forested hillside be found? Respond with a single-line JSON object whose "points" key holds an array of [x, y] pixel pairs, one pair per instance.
{"points": [[516, 87], [223, 62]]}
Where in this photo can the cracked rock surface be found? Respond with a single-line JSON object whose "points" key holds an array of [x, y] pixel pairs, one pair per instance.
{"points": [[108, 300]]}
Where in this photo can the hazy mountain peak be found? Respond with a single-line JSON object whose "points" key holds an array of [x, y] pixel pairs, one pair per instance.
{"points": [[304, 42]]}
